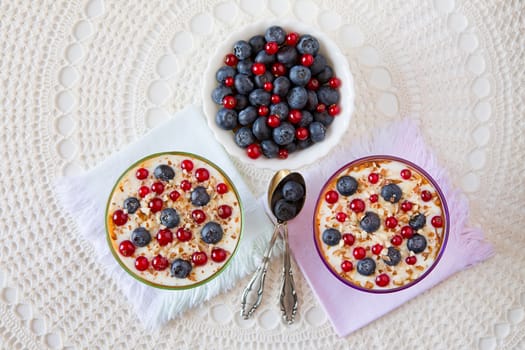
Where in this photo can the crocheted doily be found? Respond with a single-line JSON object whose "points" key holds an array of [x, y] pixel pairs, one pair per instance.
{"points": [[81, 79]]}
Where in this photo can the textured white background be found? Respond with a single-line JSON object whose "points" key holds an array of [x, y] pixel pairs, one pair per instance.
{"points": [[81, 79]]}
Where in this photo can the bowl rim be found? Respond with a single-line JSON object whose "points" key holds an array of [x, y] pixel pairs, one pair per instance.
{"points": [[445, 229], [335, 132], [158, 285]]}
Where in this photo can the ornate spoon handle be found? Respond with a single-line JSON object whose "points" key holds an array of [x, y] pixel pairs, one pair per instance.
{"points": [[288, 297], [252, 295]]}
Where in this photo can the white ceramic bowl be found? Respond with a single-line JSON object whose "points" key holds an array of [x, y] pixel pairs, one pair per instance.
{"points": [[335, 131]]}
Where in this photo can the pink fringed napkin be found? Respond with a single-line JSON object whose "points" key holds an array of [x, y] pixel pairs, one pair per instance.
{"points": [[349, 309]]}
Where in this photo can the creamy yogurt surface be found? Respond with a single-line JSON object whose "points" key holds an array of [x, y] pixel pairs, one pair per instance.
{"points": [[128, 186]]}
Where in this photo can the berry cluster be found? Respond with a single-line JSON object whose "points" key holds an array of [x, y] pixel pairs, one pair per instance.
{"points": [[277, 93]]}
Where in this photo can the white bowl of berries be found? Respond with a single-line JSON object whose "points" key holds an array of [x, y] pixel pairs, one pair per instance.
{"points": [[278, 94]]}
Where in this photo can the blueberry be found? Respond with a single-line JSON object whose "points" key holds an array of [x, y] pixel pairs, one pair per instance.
{"points": [[366, 267], [391, 193], [242, 102], [226, 119], [180, 268], [164, 172], [370, 222], [269, 149], [199, 196], [417, 221], [293, 191], [346, 185], [331, 236], [284, 210], [307, 119], [242, 49], [319, 64], [280, 109], [263, 57], [325, 75], [260, 97], [297, 97], [245, 67], [244, 137], [312, 100], [223, 73], [243, 84], [248, 115], [131, 205], [317, 131], [169, 217], [140, 237], [393, 257], [211, 233], [284, 134], [281, 86], [263, 78], [287, 55], [308, 44], [219, 92], [327, 95], [300, 75], [302, 144], [417, 243], [323, 118], [275, 33], [291, 147], [261, 130], [257, 43]]}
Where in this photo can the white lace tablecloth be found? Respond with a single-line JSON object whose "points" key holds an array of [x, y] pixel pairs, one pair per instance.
{"points": [[81, 79]]}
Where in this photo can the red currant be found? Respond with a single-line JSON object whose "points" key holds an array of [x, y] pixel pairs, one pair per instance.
{"points": [[164, 237], [273, 121], [396, 240], [347, 266], [331, 197], [357, 205], [295, 116], [301, 133], [224, 211], [263, 110], [157, 187], [437, 221], [411, 260], [426, 195], [231, 60], [271, 47], [390, 222], [222, 188], [185, 185], [321, 107], [174, 195], [143, 191], [292, 39], [258, 68], [198, 216], [348, 238], [307, 60], [160, 263], [376, 249], [229, 81], [283, 153], [119, 217], [278, 69], [382, 280], [142, 173], [253, 151], [218, 255], [373, 178], [268, 86], [374, 198], [199, 258], [406, 174], [341, 217], [334, 110], [334, 82], [187, 165], [406, 206], [202, 174], [155, 204], [229, 102], [359, 253], [141, 263], [126, 248], [183, 235], [275, 99], [313, 84], [407, 232]]}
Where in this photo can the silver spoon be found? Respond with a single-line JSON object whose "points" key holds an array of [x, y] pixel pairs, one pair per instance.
{"points": [[252, 295]]}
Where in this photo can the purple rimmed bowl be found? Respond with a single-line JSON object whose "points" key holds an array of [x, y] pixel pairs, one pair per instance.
{"points": [[404, 260]]}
